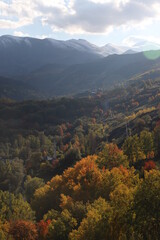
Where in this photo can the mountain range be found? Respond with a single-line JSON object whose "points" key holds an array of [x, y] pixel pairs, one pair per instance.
{"points": [[104, 73], [23, 55], [51, 67]]}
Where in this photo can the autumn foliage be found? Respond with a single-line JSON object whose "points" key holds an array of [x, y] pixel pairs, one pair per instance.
{"points": [[149, 165], [42, 227], [23, 230], [104, 183]]}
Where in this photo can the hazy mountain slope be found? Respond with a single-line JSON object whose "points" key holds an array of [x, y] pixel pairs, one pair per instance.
{"points": [[104, 73], [23, 55], [10, 88], [144, 45], [46, 77], [55, 67]]}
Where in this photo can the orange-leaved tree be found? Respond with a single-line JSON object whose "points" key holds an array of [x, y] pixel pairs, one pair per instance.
{"points": [[23, 230]]}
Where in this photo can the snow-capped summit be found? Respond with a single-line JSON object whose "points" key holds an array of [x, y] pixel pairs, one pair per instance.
{"points": [[10, 41], [110, 49], [20, 55]]}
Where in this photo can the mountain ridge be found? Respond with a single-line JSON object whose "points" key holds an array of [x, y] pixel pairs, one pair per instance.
{"points": [[103, 73], [54, 67]]}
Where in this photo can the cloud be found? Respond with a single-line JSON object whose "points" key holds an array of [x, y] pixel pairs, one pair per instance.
{"points": [[17, 13], [97, 16], [20, 34], [43, 36], [133, 40], [79, 16]]}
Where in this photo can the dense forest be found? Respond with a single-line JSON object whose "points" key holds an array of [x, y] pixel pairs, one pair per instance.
{"points": [[85, 167]]}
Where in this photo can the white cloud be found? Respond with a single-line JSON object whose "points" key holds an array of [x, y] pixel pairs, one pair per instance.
{"points": [[79, 16], [97, 16], [132, 40], [17, 13], [20, 34], [42, 36]]}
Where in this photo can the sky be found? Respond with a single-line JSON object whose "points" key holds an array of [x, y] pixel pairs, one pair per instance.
{"points": [[122, 22]]}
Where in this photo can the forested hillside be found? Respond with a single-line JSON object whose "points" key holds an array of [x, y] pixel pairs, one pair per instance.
{"points": [[105, 73], [84, 167], [18, 90], [42, 69]]}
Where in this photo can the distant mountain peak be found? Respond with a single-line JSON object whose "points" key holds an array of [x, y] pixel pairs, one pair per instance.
{"points": [[144, 45]]}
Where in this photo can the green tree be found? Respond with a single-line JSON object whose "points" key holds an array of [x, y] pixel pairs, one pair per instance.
{"points": [[71, 156], [121, 201], [157, 139], [96, 225], [60, 228], [147, 142], [76, 208], [147, 208], [132, 149], [31, 185], [111, 156], [11, 175], [14, 208]]}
